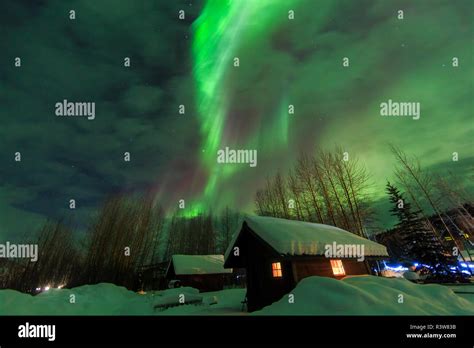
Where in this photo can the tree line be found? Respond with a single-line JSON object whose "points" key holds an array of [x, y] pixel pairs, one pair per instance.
{"points": [[127, 234], [329, 187]]}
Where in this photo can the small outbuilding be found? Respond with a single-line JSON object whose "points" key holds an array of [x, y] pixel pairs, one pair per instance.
{"points": [[203, 272], [278, 253]]}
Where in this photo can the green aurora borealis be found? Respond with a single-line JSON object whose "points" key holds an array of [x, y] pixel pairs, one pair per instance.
{"points": [[282, 62], [299, 62]]}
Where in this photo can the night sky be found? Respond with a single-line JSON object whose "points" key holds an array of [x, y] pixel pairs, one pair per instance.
{"points": [[190, 62]]}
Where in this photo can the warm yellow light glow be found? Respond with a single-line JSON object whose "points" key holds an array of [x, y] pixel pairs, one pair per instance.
{"points": [[337, 268], [276, 270]]}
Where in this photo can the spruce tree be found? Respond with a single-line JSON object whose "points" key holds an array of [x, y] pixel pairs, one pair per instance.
{"points": [[419, 242]]}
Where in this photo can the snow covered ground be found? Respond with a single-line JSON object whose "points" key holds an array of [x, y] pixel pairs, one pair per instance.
{"points": [[109, 299], [361, 295], [465, 291], [368, 295]]}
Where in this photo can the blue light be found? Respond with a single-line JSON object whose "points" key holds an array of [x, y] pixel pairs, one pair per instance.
{"points": [[466, 265], [396, 268]]}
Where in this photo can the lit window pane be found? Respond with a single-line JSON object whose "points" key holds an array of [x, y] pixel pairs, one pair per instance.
{"points": [[276, 270], [337, 268]]}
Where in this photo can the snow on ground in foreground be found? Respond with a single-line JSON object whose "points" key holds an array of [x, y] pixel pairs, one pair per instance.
{"points": [[109, 299], [368, 295], [465, 291], [99, 299], [362, 295]]}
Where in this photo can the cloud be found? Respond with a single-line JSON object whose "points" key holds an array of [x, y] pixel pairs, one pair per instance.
{"points": [[82, 60]]}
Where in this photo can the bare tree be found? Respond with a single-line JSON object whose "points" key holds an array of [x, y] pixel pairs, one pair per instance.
{"points": [[191, 235], [324, 189], [305, 176], [122, 240], [296, 192], [327, 165], [58, 260], [226, 225], [411, 168]]}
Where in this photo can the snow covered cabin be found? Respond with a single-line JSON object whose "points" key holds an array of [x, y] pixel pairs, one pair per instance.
{"points": [[278, 253], [203, 272]]}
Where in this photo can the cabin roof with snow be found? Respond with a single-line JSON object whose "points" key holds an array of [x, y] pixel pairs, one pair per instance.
{"points": [[198, 264], [294, 238]]}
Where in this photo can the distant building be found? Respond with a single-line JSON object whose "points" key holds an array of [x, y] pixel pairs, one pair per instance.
{"points": [[461, 224], [203, 272], [278, 253]]}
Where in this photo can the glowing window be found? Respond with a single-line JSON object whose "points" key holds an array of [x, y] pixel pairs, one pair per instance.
{"points": [[337, 268], [276, 270]]}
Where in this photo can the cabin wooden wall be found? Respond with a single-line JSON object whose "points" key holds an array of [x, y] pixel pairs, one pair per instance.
{"points": [[321, 266], [203, 282], [256, 256], [262, 288]]}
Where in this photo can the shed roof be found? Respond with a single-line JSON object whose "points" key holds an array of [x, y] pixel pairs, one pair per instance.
{"points": [[198, 264], [291, 237]]}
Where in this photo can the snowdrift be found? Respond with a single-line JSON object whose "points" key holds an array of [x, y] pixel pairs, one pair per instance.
{"points": [[369, 295], [99, 299], [360, 295], [109, 299]]}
